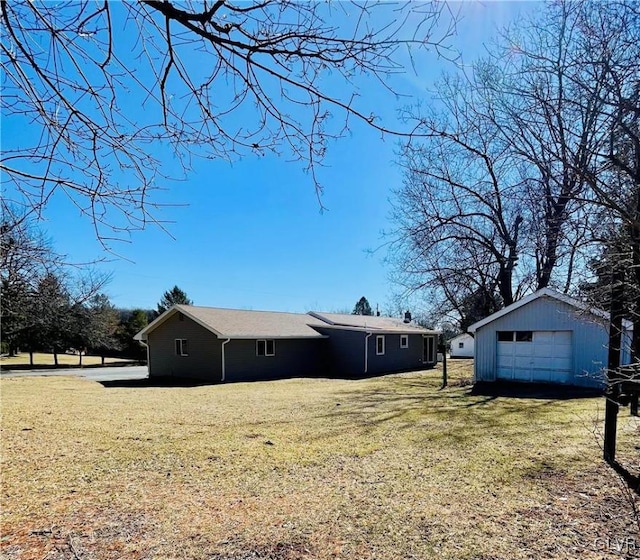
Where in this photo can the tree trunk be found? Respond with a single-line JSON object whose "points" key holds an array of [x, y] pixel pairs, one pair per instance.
{"points": [[80, 358], [635, 259], [505, 284], [55, 357], [31, 358], [102, 359]]}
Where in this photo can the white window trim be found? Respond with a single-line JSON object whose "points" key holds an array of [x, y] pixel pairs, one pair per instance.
{"points": [[404, 341], [266, 347], [378, 338], [182, 342]]}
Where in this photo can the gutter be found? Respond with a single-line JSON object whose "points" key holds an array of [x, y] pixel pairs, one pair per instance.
{"points": [[223, 345], [366, 352]]}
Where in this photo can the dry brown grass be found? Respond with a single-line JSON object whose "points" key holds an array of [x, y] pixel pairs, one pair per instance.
{"points": [[385, 468], [43, 359]]}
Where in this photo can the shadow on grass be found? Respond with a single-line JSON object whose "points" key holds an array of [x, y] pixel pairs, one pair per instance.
{"points": [[169, 381], [545, 391], [419, 402], [155, 382], [632, 480]]}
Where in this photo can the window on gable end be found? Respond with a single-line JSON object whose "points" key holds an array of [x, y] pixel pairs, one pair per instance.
{"points": [[182, 348]]}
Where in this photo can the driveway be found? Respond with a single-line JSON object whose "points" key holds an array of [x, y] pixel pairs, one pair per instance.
{"points": [[95, 374]]}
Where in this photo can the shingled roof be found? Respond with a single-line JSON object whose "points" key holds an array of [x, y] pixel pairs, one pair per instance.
{"points": [[240, 323], [370, 323], [247, 324]]}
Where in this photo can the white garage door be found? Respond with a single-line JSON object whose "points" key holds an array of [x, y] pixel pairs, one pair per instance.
{"points": [[538, 356]]}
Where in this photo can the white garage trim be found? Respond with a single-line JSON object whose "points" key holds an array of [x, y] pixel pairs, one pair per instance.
{"points": [[534, 356]]}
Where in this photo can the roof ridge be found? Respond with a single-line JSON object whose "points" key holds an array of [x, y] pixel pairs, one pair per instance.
{"points": [[243, 310]]}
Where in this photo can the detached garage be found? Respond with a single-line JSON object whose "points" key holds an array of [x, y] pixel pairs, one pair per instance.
{"points": [[546, 337]]}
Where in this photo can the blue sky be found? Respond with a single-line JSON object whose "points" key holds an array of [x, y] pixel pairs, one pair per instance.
{"points": [[251, 235]]}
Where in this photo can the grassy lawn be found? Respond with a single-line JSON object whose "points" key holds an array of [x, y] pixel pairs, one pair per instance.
{"points": [[42, 359], [382, 468]]}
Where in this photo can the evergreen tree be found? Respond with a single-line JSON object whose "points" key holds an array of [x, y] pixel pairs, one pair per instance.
{"points": [[127, 329], [362, 307], [55, 315], [94, 326], [175, 296]]}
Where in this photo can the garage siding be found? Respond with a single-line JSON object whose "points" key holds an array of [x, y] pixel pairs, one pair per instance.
{"points": [[588, 334]]}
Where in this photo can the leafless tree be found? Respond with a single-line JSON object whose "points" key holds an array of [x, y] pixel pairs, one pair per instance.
{"points": [[493, 201], [38, 285], [458, 221], [107, 92]]}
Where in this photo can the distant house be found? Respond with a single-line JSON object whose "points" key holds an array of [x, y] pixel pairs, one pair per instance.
{"points": [[237, 345], [462, 346], [546, 337]]}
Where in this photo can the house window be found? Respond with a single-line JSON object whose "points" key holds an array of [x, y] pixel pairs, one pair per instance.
{"points": [[404, 341], [505, 336], [265, 347], [380, 345], [460, 344], [181, 347]]}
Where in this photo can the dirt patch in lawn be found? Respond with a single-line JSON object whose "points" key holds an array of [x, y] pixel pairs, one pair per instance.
{"points": [[385, 468]]}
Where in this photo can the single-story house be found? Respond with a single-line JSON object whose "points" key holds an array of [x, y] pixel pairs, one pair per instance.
{"points": [[367, 345], [462, 346], [546, 337], [238, 345]]}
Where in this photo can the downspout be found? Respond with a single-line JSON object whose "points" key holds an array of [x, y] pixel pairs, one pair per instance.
{"points": [[223, 345], [366, 352], [145, 342]]}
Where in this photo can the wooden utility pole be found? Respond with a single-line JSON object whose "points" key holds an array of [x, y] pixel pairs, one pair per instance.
{"points": [[613, 364], [443, 346]]}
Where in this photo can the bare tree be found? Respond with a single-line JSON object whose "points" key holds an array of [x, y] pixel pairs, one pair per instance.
{"points": [[457, 215], [25, 256], [493, 203], [107, 91], [611, 47], [39, 288]]}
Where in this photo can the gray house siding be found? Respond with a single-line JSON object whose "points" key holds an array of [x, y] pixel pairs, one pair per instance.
{"points": [[394, 357], [340, 354], [204, 360], [588, 334], [345, 352], [293, 358]]}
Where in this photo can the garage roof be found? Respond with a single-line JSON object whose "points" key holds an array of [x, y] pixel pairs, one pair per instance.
{"points": [[549, 293]]}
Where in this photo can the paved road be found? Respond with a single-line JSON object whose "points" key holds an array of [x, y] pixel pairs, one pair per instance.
{"points": [[95, 374]]}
